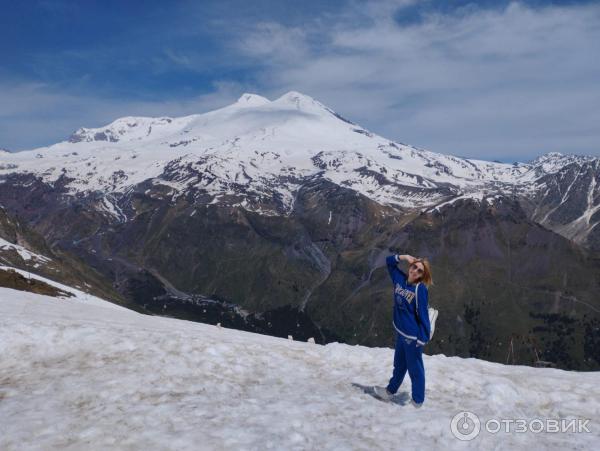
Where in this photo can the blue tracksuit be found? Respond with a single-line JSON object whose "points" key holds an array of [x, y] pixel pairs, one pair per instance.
{"points": [[412, 334]]}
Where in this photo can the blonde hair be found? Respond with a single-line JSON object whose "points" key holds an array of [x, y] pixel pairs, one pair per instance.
{"points": [[426, 278]]}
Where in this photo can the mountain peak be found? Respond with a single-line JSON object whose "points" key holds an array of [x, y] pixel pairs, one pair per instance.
{"points": [[249, 99], [561, 157], [552, 162], [547, 157], [307, 104], [296, 98]]}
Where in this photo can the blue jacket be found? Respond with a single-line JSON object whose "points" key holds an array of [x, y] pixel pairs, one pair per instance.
{"points": [[405, 315]]}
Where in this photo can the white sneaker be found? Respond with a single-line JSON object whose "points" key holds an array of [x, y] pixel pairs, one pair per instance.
{"points": [[416, 404], [382, 393]]}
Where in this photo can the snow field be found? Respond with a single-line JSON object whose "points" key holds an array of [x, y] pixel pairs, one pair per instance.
{"points": [[77, 375]]}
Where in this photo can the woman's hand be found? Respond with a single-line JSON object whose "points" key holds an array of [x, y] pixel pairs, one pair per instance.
{"points": [[409, 258]]}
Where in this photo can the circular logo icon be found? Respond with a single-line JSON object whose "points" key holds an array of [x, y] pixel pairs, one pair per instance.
{"points": [[465, 426]]}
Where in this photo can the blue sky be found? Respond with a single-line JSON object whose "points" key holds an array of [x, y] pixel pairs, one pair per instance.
{"points": [[483, 79]]}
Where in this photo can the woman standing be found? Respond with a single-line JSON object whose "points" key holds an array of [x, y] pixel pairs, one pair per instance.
{"points": [[411, 323]]}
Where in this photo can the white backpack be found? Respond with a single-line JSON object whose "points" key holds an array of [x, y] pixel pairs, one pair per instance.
{"points": [[433, 313]]}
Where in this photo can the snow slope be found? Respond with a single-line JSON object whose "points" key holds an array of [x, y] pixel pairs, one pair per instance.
{"points": [[82, 298], [24, 253], [76, 375]]}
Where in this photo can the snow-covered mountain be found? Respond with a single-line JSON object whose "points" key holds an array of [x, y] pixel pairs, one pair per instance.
{"points": [[257, 153], [81, 373]]}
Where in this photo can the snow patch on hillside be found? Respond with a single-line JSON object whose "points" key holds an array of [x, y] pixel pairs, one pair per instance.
{"points": [[78, 296], [24, 253]]}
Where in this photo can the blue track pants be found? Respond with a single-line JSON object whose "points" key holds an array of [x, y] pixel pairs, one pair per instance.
{"points": [[408, 357]]}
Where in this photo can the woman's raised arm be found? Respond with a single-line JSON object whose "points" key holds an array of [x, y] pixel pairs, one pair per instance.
{"points": [[392, 264]]}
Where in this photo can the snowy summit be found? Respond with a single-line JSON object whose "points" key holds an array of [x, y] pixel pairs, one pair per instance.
{"points": [[264, 145]]}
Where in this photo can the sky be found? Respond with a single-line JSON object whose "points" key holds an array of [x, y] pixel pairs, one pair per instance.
{"points": [[496, 80]]}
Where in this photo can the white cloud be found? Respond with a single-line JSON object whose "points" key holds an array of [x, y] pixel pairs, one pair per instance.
{"points": [[276, 42], [506, 83], [35, 114], [485, 83]]}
